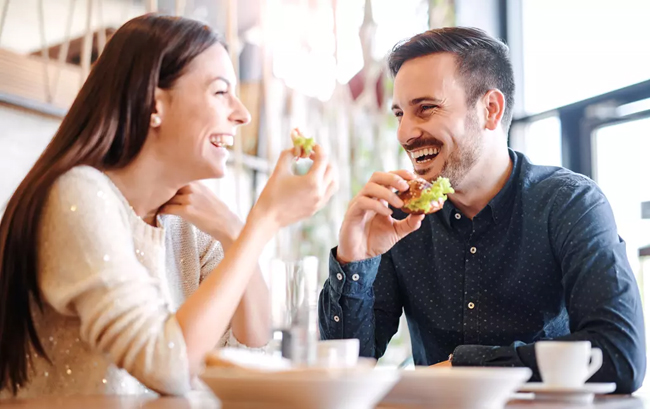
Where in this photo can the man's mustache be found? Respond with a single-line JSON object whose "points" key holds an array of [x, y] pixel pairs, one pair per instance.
{"points": [[422, 142]]}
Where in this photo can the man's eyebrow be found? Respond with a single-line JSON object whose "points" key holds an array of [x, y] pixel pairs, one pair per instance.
{"points": [[416, 101]]}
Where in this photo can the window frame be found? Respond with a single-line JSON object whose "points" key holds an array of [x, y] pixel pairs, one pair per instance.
{"points": [[578, 120]]}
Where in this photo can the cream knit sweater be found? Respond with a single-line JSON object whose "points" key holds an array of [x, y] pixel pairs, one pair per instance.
{"points": [[112, 284]]}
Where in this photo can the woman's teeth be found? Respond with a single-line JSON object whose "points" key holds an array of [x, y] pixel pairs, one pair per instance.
{"points": [[222, 141]]}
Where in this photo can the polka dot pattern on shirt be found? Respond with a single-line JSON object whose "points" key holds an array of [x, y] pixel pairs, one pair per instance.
{"points": [[542, 260]]}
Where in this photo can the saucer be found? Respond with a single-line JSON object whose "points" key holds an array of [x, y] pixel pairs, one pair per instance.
{"points": [[573, 394]]}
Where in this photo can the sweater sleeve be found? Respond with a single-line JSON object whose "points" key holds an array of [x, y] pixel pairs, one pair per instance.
{"points": [[88, 268], [210, 253]]}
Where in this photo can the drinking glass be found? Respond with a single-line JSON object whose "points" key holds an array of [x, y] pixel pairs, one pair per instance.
{"points": [[294, 309]]}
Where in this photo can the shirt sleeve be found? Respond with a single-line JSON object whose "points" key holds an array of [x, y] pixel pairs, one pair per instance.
{"points": [[361, 300], [600, 292], [88, 268]]}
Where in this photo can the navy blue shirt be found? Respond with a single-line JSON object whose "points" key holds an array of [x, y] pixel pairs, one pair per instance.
{"points": [[543, 260]]}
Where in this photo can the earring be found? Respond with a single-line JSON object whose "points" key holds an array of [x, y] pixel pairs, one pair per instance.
{"points": [[155, 120]]}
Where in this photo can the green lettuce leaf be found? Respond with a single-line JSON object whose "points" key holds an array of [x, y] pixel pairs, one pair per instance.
{"points": [[307, 144], [439, 190]]}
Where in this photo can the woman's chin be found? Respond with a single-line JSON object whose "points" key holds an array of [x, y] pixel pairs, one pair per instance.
{"points": [[211, 171], [218, 173]]}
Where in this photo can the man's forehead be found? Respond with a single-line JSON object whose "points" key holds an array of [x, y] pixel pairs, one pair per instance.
{"points": [[431, 74]]}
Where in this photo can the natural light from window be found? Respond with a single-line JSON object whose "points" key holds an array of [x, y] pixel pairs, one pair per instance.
{"points": [[581, 48], [622, 170], [305, 50], [541, 141]]}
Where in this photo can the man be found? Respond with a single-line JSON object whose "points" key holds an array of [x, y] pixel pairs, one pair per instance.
{"points": [[520, 253]]}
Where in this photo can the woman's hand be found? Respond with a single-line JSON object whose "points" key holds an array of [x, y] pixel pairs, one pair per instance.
{"points": [[289, 198], [286, 199], [199, 205]]}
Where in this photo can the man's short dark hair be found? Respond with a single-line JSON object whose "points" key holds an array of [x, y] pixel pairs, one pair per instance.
{"points": [[483, 62]]}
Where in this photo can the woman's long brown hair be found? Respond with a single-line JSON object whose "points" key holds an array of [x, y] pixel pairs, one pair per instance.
{"points": [[105, 128]]}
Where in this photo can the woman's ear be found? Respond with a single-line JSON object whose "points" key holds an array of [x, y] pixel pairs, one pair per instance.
{"points": [[157, 115]]}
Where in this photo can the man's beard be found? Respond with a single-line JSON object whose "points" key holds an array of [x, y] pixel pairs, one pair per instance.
{"points": [[466, 155]]}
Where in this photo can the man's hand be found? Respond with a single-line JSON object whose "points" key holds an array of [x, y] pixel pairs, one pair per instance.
{"points": [[368, 230]]}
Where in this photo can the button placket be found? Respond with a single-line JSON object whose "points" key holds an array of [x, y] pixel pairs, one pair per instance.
{"points": [[472, 290]]}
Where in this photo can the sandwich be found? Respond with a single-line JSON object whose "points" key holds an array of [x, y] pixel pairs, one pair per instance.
{"points": [[423, 197], [303, 146]]}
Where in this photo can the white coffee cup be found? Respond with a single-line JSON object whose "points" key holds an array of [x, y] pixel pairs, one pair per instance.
{"points": [[338, 353], [567, 363]]}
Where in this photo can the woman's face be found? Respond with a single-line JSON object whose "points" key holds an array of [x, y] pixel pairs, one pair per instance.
{"points": [[199, 116]]}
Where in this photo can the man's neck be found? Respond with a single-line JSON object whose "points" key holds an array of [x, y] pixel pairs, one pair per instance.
{"points": [[483, 183], [142, 184]]}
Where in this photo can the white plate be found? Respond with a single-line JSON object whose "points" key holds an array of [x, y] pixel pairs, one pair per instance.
{"points": [[581, 394], [353, 388], [460, 387], [250, 359]]}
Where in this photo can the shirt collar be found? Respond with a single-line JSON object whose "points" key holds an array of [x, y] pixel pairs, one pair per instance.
{"points": [[501, 204], [447, 212]]}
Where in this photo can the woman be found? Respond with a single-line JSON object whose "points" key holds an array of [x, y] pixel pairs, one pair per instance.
{"points": [[108, 280]]}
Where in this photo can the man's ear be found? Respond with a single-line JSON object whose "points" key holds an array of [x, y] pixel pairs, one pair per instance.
{"points": [[495, 105]]}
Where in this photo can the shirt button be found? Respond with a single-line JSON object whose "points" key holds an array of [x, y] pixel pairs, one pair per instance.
{"points": [[472, 250], [458, 216], [470, 306], [336, 318], [339, 276], [355, 277]]}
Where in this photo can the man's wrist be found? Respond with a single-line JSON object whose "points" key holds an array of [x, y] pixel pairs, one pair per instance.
{"points": [[349, 257], [342, 260]]}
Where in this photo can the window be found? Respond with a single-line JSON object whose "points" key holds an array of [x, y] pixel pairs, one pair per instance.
{"points": [[576, 49], [622, 170], [540, 140]]}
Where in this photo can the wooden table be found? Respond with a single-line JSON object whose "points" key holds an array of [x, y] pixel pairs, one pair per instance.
{"points": [[207, 401]]}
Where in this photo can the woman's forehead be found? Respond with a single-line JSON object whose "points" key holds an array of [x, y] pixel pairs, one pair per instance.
{"points": [[212, 65]]}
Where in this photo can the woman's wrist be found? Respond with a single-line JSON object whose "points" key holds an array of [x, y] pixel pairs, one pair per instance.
{"points": [[263, 222]]}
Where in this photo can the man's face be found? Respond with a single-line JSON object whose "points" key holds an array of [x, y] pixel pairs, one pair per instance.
{"points": [[440, 133]]}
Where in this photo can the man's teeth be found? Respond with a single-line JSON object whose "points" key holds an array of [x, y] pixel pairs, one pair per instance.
{"points": [[424, 152]]}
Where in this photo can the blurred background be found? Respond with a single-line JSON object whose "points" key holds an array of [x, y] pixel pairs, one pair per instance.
{"points": [[582, 69]]}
